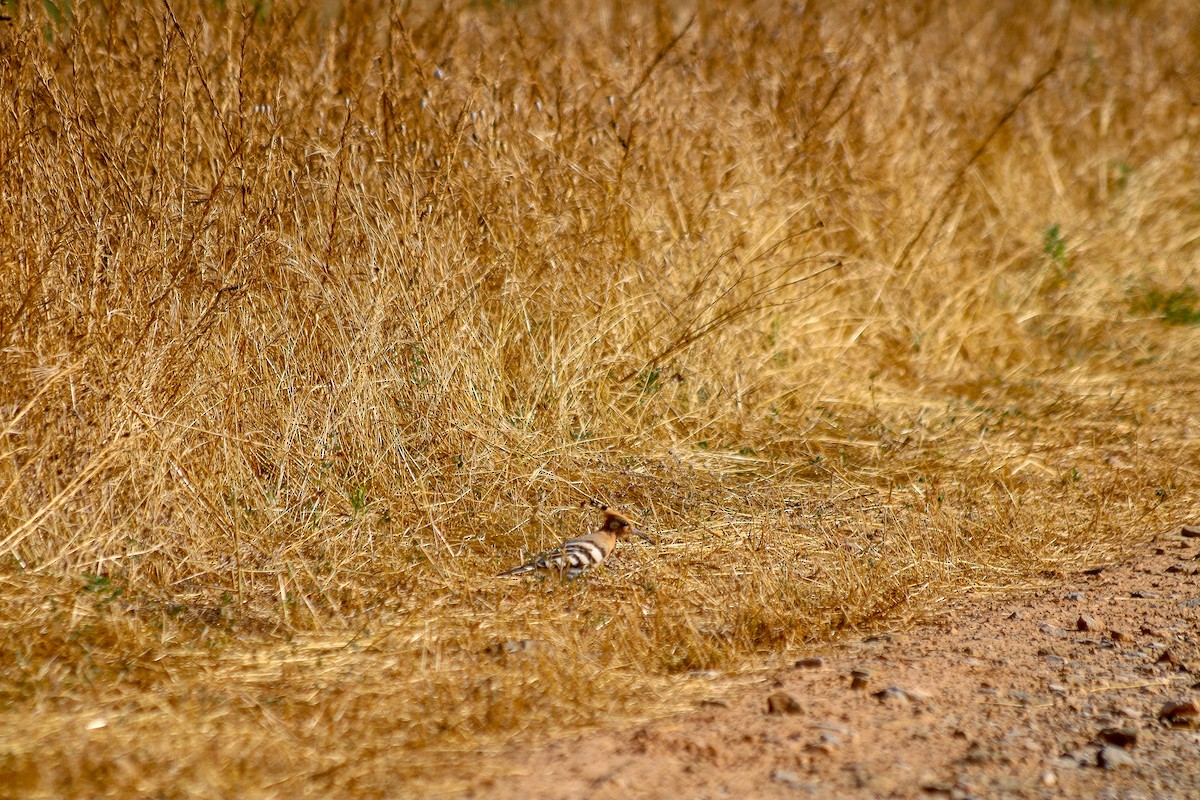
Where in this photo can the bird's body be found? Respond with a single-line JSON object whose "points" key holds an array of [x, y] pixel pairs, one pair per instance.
{"points": [[582, 553]]}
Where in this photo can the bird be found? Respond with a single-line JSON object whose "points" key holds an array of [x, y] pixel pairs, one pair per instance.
{"points": [[576, 556]]}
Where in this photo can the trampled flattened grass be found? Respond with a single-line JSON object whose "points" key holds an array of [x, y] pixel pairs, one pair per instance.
{"points": [[313, 320]]}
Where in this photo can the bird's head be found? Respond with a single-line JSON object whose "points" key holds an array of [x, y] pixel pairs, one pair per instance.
{"points": [[620, 525]]}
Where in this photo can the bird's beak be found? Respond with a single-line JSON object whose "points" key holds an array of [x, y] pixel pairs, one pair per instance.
{"points": [[644, 536]]}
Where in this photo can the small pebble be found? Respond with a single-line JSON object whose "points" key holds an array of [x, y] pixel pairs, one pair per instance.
{"points": [[917, 695], [1113, 758], [1180, 713], [892, 695], [782, 703], [931, 784]]}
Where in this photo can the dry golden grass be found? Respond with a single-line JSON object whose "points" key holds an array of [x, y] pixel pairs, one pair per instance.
{"points": [[313, 319]]}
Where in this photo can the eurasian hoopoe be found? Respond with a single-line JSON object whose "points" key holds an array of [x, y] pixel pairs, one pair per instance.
{"points": [[576, 556]]}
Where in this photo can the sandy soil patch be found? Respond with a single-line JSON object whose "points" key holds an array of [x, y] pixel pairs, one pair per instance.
{"points": [[1064, 692]]}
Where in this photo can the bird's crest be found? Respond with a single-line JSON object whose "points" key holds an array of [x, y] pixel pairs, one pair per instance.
{"points": [[618, 524]]}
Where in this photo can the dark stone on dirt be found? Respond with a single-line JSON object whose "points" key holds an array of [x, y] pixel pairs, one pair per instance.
{"points": [[859, 678], [1121, 737], [931, 785], [1167, 657], [1182, 713], [782, 703], [892, 695], [1087, 623], [1191, 531], [810, 663]]}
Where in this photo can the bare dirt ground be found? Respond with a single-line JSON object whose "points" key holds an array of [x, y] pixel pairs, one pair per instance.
{"points": [[1062, 692]]}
